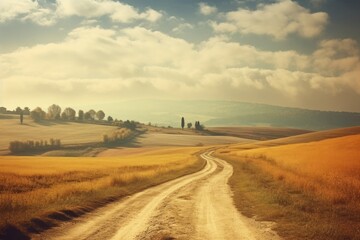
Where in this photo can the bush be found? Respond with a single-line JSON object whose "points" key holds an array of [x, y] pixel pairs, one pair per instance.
{"points": [[128, 124], [26, 146], [118, 136]]}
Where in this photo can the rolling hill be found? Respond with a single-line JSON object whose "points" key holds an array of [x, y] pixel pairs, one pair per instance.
{"points": [[228, 113]]}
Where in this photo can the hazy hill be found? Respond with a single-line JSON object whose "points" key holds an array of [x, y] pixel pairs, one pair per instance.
{"points": [[228, 113]]}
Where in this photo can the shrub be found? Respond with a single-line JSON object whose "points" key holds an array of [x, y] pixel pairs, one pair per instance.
{"points": [[118, 136], [25, 146]]}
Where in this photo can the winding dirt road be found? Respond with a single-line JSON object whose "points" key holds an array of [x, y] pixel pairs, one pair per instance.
{"points": [[196, 206]]}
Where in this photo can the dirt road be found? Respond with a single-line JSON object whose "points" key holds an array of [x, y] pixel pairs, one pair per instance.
{"points": [[196, 206]]}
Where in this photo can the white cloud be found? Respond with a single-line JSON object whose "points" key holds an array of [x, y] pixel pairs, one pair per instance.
{"points": [[128, 62], [205, 9], [278, 20], [223, 27], [48, 14], [10, 9], [117, 11], [42, 17], [182, 27]]}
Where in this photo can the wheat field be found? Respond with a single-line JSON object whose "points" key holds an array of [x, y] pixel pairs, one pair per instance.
{"points": [[312, 190], [32, 187], [67, 132]]}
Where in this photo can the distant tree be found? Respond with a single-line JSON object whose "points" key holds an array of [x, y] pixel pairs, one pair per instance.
{"points": [[182, 122], [18, 110], [69, 114], [128, 124], [81, 115], [110, 119], [37, 114], [26, 111], [100, 115], [54, 112], [87, 116], [198, 126], [21, 117], [63, 116], [189, 125], [92, 114], [2, 110]]}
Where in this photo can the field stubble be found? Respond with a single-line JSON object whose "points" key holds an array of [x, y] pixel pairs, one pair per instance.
{"points": [[32, 189], [311, 190]]}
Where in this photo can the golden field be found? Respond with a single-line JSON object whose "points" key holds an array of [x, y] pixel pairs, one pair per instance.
{"points": [[34, 187], [67, 132], [312, 190]]}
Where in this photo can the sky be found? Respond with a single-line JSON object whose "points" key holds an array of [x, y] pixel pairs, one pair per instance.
{"points": [[75, 53]]}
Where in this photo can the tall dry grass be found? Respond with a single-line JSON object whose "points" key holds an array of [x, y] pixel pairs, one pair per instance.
{"points": [[33, 187], [329, 169], [312, 189]]}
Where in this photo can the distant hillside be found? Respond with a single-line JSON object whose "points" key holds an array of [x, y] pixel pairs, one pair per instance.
{"points": [[292, 117], [229, 113]]}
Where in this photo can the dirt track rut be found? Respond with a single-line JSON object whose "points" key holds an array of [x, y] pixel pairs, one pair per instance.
{"points": [[196, 206]]}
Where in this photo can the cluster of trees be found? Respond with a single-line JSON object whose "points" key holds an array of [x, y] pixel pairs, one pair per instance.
{"points": [[26, 146], [197, 125], [128, 124], [69, 114], [118, 136], [18, 110]]}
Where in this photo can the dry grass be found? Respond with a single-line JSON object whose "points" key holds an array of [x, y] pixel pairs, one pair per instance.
{"points": [[311, 189], [161, 139], [68, 133], [257, 133], [302, 138], [33, 187]]}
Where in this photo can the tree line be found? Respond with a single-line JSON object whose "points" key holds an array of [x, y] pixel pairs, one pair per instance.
{"points": [[54, 112], [197, 125]]}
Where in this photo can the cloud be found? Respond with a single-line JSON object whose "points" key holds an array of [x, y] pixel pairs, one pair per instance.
{"points": [[182, 27], [111, 64], [278, 20], [46, 14], [10, 9], [42, 17], [205, 9], [117, 11]]}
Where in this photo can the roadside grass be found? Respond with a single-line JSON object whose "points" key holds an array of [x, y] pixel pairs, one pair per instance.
{"points": [[36, 191], [311, 190]]}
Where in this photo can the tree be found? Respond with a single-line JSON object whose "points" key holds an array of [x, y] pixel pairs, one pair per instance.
{"points": [[18, 110], [198, 126], [81, 115], [63, 116], [87, 116], [26, 111], [129, 125], [69, 114], [189, 125], [100, 115], [92, 114], [21, 117], [3, 110], [54, 112], [37, 114], [182, 122], [110, 119]]}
